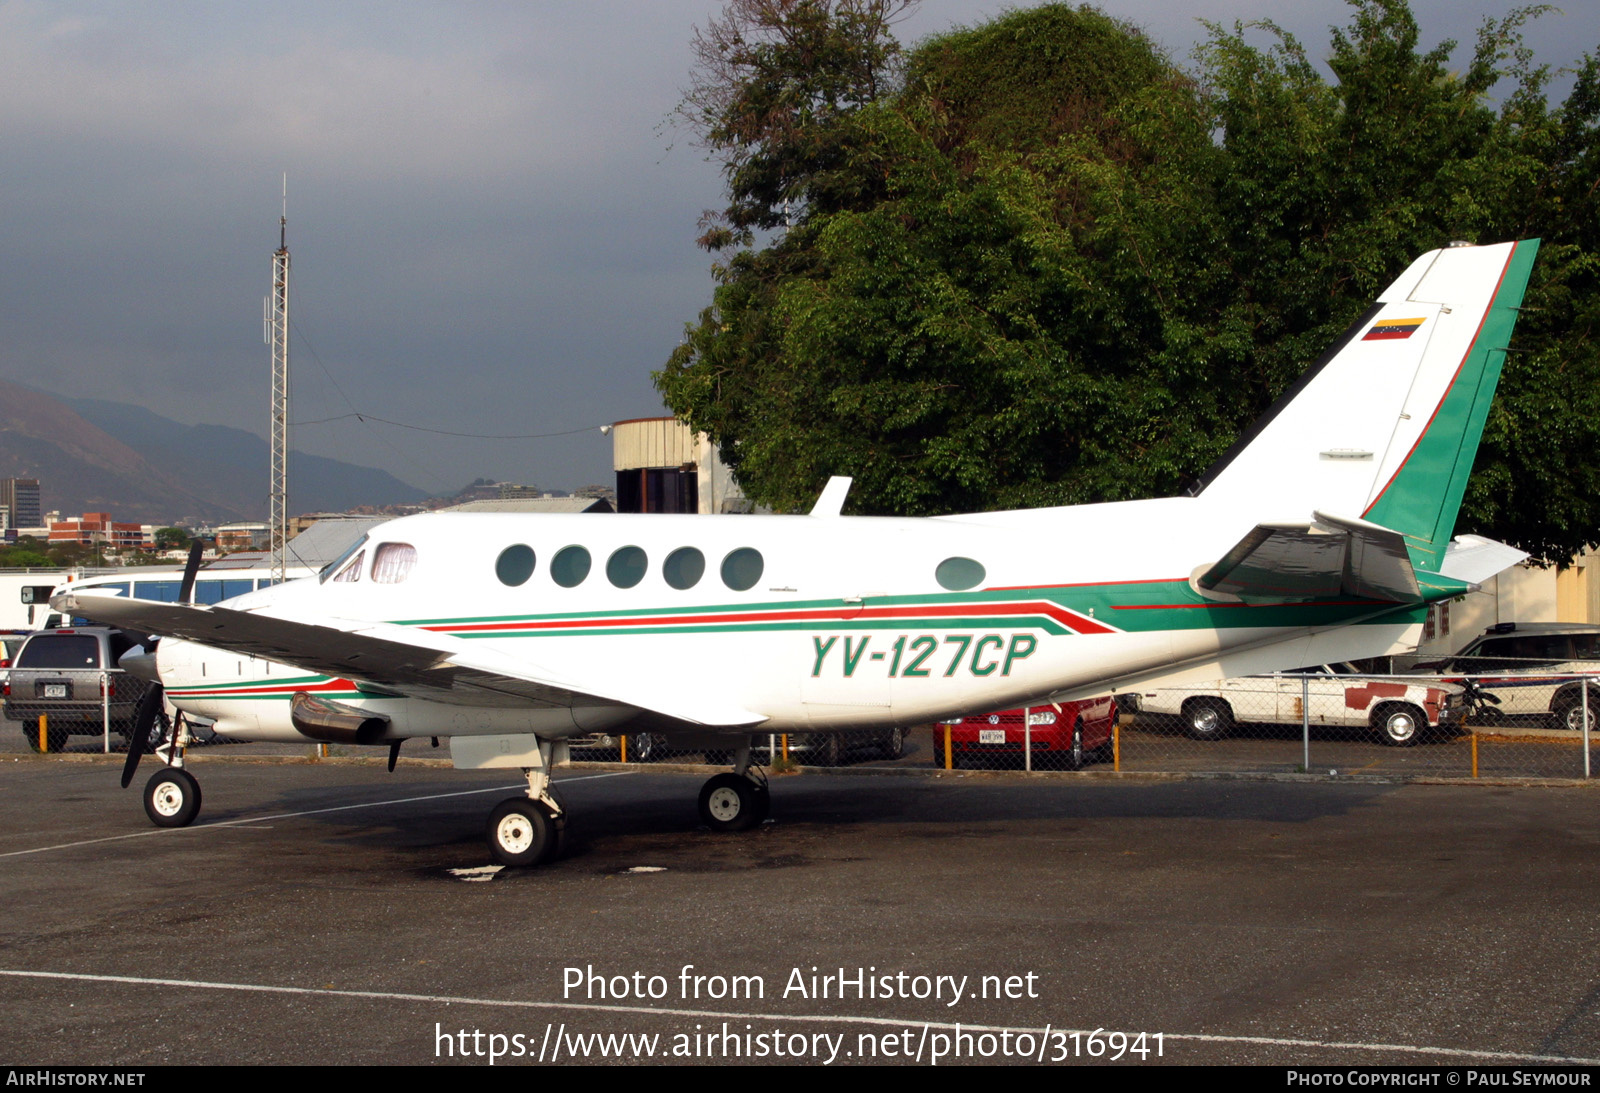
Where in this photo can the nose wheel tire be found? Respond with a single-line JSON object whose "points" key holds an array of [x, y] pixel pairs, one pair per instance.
{"points": [[172, 798], [732, 802], [521, 833]]}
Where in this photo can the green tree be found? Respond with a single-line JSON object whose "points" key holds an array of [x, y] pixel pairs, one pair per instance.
{"points": [[1341, 184], [957, 335], [1049, 266], [772, 82], [171, 539]]}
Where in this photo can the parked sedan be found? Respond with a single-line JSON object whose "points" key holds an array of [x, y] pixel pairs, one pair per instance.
{"points": [[1071, 736], [1398, 709]]}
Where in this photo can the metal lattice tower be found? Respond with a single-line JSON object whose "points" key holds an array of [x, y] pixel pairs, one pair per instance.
{"points": [[277, 337]]}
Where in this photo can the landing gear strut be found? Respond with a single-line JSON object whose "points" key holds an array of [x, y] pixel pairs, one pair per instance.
{"points": [[736, 801], [172, 795], [531, 829]]}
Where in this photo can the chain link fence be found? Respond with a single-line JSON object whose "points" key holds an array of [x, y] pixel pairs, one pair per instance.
{"points": [[1503, 721], [1477, 718]]}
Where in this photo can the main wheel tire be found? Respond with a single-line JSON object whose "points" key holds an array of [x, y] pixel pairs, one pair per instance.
{"points": [[1400, 726], [172, 798], [1207, 718], [1075, 757], [894, 744], [732, 802], [519, 832]]}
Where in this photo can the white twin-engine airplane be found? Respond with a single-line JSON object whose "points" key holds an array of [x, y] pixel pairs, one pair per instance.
{"points": [[1321, 536]]}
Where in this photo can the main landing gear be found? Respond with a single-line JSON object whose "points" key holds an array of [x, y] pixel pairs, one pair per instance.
{"points": [[736, 801], [531, 829]]}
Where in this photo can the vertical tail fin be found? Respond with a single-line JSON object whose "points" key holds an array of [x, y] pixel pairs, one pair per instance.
{"points": [[1386, 425]]}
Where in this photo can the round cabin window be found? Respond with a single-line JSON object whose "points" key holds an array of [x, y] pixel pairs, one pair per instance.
{"points": [[742, 569], [684, 567], [626, 566], [959, 574], [570, 566], [515, 565]]}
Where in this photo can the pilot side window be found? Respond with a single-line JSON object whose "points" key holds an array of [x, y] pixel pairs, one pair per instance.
{"points": [[393, 563], [352, 572]]}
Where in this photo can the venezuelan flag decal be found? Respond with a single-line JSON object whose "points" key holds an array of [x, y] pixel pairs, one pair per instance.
{"points": [[1392, 330]]}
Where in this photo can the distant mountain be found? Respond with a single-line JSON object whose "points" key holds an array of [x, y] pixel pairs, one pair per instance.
{"points": [[80, 467], [96, 456], [230, 465]]}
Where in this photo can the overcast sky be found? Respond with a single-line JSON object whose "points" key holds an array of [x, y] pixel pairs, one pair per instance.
{"points": [[491, 224]]}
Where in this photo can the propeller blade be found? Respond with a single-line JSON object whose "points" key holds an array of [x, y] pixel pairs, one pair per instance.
{"points": [[144, 718], [190, 568]]}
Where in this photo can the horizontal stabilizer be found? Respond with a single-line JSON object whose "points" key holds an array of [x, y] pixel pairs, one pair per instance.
{"points": [[1474, 559], [1331, 557]]}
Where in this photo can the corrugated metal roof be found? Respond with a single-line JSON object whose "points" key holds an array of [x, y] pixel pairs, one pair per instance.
{"points": [[326, 540], [534, 504]]}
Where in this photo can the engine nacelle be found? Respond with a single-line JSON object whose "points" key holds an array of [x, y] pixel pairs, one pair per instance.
{"points": [[334, 722]]}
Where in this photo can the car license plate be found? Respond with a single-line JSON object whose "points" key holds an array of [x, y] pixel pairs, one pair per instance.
{"points": [[991, 736], [55, 690]]}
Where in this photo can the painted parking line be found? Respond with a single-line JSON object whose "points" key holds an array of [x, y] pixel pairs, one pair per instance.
{"points": [[291, 815], [1442, 1053]]}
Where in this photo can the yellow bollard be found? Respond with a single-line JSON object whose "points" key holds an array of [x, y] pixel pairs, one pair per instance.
{"points": [[44, 732], [622, 753], [785, 739], [1116, 744], [948, 765], [1474, 755]]}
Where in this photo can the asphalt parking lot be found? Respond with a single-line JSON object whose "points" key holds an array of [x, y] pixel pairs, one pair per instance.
{"points": [[312, 915]]}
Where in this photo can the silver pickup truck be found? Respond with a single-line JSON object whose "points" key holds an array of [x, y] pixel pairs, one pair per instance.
{"points": [[60, 675]]}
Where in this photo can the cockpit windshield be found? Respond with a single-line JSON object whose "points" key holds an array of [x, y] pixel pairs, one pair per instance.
{"points": [[333, 567]]}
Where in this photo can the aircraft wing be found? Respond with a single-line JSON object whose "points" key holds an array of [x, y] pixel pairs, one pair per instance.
{"points": [[1331, 556], [409, 662]]}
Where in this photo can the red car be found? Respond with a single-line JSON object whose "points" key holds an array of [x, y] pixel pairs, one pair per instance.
{"points": [[1080, 732]]}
